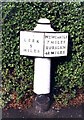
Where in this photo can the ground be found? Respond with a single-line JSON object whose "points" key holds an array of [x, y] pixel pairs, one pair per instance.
{"points": [[73, 110]]}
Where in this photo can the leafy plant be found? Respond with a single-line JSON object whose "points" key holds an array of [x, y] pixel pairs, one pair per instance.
{"points": [[17, 71]]}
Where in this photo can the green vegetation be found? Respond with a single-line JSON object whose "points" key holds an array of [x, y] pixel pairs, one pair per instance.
{"points": [[17, 71]]}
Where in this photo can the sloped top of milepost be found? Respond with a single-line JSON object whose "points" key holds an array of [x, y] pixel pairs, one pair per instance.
{"points": [[43, 21], [43, 25]]}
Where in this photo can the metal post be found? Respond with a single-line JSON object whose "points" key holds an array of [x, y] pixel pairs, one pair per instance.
{"points": [[43, 43], [42, 68]]}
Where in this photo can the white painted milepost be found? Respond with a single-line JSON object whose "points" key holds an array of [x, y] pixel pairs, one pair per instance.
{"points": [[42, 75], [42, 65], [43, 43]]}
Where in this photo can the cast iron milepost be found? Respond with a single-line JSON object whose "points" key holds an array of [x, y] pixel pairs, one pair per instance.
{"points": [[43, 43]]}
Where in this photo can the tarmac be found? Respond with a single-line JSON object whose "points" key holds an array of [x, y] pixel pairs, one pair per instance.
{"points": [[72, 112]]}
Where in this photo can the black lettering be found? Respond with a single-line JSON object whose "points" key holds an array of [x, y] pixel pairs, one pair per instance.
{"points": [[28, 40], [59, 37], [52, 47], [52, 52], [55, 47], [30, 50], [24, 40], [64, 37], [48, 52], [60, 52], [46, 36], [47, 41], [25, 49], [58, 42], [63, 52], [31, 46], [52, 42], [61, 42], [64, 47], [49, 47], [38, 51], [32, 40], [57, 52], [49, 37], [46, 47], [34, 50], [53, 36], [55, 42], [37, 41], [60, 47]]}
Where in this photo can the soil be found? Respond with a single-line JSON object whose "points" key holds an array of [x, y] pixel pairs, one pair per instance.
{"points": [[74, 109], [70, 112]]}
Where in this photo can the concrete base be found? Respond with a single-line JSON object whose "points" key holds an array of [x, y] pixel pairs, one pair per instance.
{"points": [[41, 103]]}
